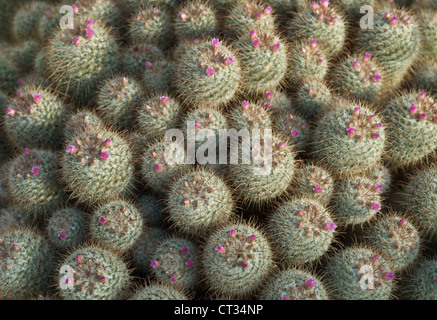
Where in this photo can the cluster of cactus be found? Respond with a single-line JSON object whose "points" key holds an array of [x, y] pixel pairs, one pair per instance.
{"points": [[226, 149]]}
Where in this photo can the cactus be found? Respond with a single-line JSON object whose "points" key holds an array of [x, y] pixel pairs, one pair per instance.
{"points": [[103, 10], [295, 128], [96, 166], [78, 59], [308, 63], [9, 73], [428, 30], [145, 247], [81, 121], [284, 8], [381, 175], [12, 217], [25, 263], [396, 238], [411, 137], [302, 231], [314, 182], [175, 262], [349, 139], [156, 291], [351, 8], [158, 115], [133, 5], [4, 193], [66, 228], [34, 118], [32, 181], [118, 100], [356, 200], [277, 101], [23, 55], [359, 77], [135, 56], [236, 260], [151, 210], [249, 115], [422, 283], [263, 57], [249, 15], [158, 76], [47, 24], [7, 13], [426, 78], [196, 19], [92, 273], [25, 21], [313, 100], [198, 202], [294, 284], [349, 269], [151, 24], [320, 20]]}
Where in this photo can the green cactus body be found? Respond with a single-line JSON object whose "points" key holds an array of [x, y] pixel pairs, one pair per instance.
{"points": [[263, 57], [208, 74], [308, 63], [394, 42], [118, 100], [359, 77], [428, 30], [422, 283], [302, 231], [196, 19], [236, 260], [158, 115], [198, 202], [4, 194], [117, 225], [397, 240], [168, 5], [144, 249], [352, 7], [12, 217], [262, 181], [32, 182], [182, 46], [313, 100], [411, 137], [7, 13], [249, 115], [25, 263], [158, 76], [349, 139], [151, 210], [151, 24], [249, 15], [34, 118], [92, 273], [320, 20], [426, 78], [175, 262], [356, 200], [97, 166], [357, 273], [103, 10], [382, 176], [158, 291], [82, 121], [135, 56], [294, 284], [9, 73], [47, 24], [276, 101], [314, 182], [284, 8], [78, 59], [23, 55], [66, 228], [295, 128], [420, 197], [40, 63], [25, 21]]}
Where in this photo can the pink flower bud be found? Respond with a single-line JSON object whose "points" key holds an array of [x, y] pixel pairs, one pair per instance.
{"points": [[158, 168], [154, 264], [378, 188], [20, 94], [244, 265], [330, 226], [35, 171], [229, 61], [253, 35], [356, 111], [375, 206], [256, 43], [394, 21], [102, 219], [267, 10], [174, 278], [189, 263], [107, 143], [245, 105], [10, 112], [155, 10], [215, 44], [285, 298], [20, 82], [310, 283], [422, 116], [182, 16], [366, 57], [220, 249], [282, 146], [268, 95], [89, 33], [210, 71], [376, 135], [402, 222], [324, 3], [276, 47], [37, 97], [355, 64], [294, 133], [376, 77], [413, 109], [388, 276], [164, 100], [350, 131], [62, 235], [251, 238], [184, 250], [104, 155], [71, 149], [318, 189], [422, 95], [75, 9], [77, 40], [148, 64], [89, 23], [259, 16], [102, 279], [26, 151], [233, 233], [313, 43]]}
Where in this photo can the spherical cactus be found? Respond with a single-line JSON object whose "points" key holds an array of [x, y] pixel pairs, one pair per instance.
{"points": [[66, 228], [196, 19], [422, 283], [78, 59], [161, 163], [428, 30], [156, 291], [175, 262], [314, 182], [295, 128], [24, 54], [144, 249], [7, 13], [198, 202], [92, 273], [12, 217], [396, 238], [349, 139], [34, 118], [158, 115], [322, 21], [118, 100], [236, 260], [9, 73], [47, 24], [313, 100], [277, 101], [208, 74], [394, 42], [249, 15], [357, 273], [25, 22], [151, 210], [263, 57], [426, 78], [359, 77], [32, 181], [25, 263], [158, 76], [103, 10], [135, 56], [308, 63], [411, 137], [260, 179], [356, 200], [182, 46], [151, 24], [96, 166], [419, 196], [82, 121], [302, 230], [249, 115], [294, 284]]}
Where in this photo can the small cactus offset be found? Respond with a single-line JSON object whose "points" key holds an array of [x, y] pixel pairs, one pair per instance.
{"points": [[422, 282], [196, 19], [313, 100], [144, 249], [137, 54], [25, 22], [426, 78]]}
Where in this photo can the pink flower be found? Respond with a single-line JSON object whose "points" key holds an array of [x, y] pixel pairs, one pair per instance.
{"points": [[215, 44], [148, 64], [259, 16], [251, 238], [107, 143], [388, 276], [77, 40], [252, 34], [310, 283], [104, 155], [355, 64], [256, 43], [210, 71], [324, 3], [378, 188], [285, 298], [37, 97], [69, 280], [394, 21], [245, 265], [229, 61], [174, 278], [220, 249], [158, 168], [282, 146], [184, 250], [89, 33], [422, 116], [276, 47], [20, 94], [75, 9], [62, 235], [164, 100], [233, 233], [294, 133], [376, 77], [71, 149], [330, 226], [313, 43], [154, 264], [102, 279], [366, 57], [26, 151], [376, 135], [102, 219], [182, 16], [422, 95], [402, 222], [78, 258], [89, 23], [268, 95], [245, 105], [413, 109], [189, 263], [10, 112], [20, 82], [375, 206], [155, 10], [35, 171], [350, 131], [267, 10], [318, 189]]}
